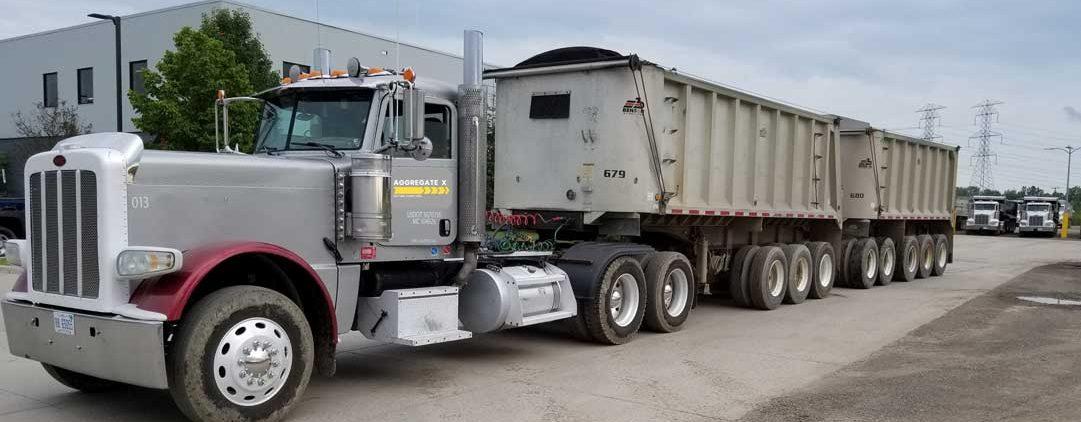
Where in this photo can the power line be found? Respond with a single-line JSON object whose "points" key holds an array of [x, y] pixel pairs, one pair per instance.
{"points": [[986, 115]]}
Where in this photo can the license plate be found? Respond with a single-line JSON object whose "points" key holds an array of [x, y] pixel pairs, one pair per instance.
{"points": [[64, 323]]}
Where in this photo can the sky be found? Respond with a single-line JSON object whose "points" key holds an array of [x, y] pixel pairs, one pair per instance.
{"points": [[877, 61]]}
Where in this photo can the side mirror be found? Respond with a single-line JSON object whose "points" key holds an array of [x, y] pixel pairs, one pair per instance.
{"points": [[422, 149], [413, 114]]}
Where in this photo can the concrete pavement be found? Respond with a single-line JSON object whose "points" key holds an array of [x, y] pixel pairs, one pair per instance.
{"points": [[724, 363]]}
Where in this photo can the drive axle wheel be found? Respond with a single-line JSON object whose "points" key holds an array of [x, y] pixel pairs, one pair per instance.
{"points": [[910, 259], [243, 353], [942, 250], [670, 291], [615, 312], [887, 261], [927, 255], [824, 270], [739, 275]]}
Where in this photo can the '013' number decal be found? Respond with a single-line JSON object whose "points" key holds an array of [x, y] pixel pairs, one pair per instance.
{"points": [[140, 202]]}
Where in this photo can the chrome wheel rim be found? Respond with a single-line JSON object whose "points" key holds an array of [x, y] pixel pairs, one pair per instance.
{"points": [[675, 293], [911, 260], [870, 263], [803, 274], [825, 270], [942, 256], [776, 278], [887, 262], [929, 258], [252, 361], [623, 300]]}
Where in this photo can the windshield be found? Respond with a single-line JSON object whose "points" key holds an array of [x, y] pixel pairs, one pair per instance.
{"points": [[984, 207], [299, 121], [1039, 207]]}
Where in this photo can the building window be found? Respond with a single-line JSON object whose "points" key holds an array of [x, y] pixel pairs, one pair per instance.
{"points": [[287, 65], [86, 85], [135, 76], [49, 83]]}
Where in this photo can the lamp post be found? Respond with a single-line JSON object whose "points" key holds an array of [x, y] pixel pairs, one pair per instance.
{"points": [[119, 91], [1069, 150]]}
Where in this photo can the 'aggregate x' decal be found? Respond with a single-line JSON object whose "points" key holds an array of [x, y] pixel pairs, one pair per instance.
{"points": [[420, 187]]}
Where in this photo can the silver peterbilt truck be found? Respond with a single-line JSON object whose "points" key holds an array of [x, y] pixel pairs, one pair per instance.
{"points": [[227, 278], [1038, 215]]}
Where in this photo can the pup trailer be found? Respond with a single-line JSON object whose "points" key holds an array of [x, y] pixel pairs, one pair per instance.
{"points": [[622, 190]]}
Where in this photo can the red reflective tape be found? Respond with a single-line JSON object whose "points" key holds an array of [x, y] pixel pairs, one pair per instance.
{"points": [[708, 212], [753, 214], [739, 212], [725, 213], [788, 215], [676, 211], [693, 212]]}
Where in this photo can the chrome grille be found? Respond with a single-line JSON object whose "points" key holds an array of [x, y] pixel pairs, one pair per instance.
{"points": [[1035, 220], [63, 233], [982, 219]]}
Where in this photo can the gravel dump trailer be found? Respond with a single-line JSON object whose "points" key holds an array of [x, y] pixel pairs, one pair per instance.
{"points": [[749, 192], [899, 190]]}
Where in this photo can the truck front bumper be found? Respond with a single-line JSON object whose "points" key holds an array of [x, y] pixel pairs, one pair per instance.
{"points": [[108, 347], [1037, 229], [981, 227]]}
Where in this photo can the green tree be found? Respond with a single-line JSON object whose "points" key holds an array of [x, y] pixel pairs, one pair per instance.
{"points": [[233, 28], [178, 103]]}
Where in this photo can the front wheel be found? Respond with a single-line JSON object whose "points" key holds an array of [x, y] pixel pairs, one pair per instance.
{"points": [[243, 353]]}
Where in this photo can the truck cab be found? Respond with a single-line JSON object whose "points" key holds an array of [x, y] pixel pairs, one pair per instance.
{"points": [[992, 214], [1039, 215]]}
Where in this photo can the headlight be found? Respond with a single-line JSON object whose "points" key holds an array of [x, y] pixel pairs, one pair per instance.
{"points": [[1049, 223], [1022, 223], [145, 262], [993, 222], [13, 250]]}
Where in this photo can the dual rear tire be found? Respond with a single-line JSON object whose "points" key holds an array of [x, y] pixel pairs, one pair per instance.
{"points": [[767, 276]]}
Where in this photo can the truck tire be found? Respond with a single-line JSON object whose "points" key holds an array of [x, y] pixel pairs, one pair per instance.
{"points": [[863, 264], [800, 270], [670, 291], [615, 313], [78, 381], [739, 276], [887, 260], [243, 353], [927, 255], [910, 259], [842, 263], [769, 278], [5, 235], [942, 254], [824, 271]]}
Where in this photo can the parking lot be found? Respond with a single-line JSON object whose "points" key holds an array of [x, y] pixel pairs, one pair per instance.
{"points": [[727, 363]]}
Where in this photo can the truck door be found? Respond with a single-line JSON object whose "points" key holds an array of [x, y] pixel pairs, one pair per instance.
{"points": [[424, 196]]}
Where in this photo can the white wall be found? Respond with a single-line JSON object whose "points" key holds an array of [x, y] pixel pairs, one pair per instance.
{"points": [[146, 36]]}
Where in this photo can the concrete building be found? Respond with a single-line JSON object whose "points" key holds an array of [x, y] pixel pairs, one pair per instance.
{"points": [[77, 64]]}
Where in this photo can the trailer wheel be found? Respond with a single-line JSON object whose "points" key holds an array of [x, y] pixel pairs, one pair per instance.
{"points": [[739, 276], [863, 264], [842, 264], [887, 260], [824, 270], [79, 381], [800, 270], [243, 353], [942, 251], [769, 278], [927, 255], [670, 291], [908, 262], [615, 313]]}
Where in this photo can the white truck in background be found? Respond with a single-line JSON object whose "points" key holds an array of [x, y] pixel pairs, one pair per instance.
{"points": [[992, 214], [1038, 215]]}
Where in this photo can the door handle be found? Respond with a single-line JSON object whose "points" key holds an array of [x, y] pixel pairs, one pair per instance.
{"points": [[444, 227]]}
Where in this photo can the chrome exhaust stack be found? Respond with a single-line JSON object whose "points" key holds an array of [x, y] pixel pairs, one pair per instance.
{"points": [[473, 145]]}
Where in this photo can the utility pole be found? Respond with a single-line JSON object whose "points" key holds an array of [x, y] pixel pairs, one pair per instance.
{"points": [[1069, 150], [986, 115], [930, 120]]}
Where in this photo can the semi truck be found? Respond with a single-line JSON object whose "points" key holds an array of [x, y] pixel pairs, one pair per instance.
{"points": [[622, 191], [993, 214], [1038, 215]]}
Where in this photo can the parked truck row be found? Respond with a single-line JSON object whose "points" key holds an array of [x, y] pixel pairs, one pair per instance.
{"points": [[1031, 215], [622, 191]]}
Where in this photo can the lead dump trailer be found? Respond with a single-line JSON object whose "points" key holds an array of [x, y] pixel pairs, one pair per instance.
{"points": [[895, 188], [593, 145]]}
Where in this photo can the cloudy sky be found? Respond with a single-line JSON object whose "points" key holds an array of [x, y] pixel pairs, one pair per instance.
{"points": [[877, 61]]}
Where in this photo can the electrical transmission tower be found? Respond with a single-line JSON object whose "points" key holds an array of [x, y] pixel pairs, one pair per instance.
{"points": [[986, 115], [929, 121]]}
